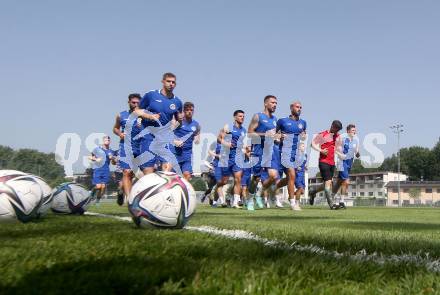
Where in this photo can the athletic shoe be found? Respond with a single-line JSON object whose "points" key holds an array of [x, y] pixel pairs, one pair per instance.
{"points": [[259, 202], [120, 199], [334, 207], [278, 204], [236, 206], [296, 207], [250, 205], [214, 205], [342, 205], [312, 195]]}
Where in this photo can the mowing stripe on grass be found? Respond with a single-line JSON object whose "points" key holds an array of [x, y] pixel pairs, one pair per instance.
{"points": [[425, 261]]}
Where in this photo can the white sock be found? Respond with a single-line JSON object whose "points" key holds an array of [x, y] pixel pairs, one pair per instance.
{"points": [[236, 199], [259, 190], [342, 200], [221, 200], [292, 201]]}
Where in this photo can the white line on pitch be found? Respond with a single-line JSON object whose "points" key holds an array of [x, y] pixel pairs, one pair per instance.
{"points": [[431, 264]]}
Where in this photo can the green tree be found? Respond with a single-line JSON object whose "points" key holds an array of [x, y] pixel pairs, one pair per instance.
{"points": [[414, 193], [34, 162]]}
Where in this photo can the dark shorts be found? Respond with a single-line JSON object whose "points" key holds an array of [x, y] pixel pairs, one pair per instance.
{"points": [[327, 171]]}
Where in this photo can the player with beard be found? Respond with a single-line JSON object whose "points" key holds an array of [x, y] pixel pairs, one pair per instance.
{"points": [[231, 137], [158, 108], [126, 160], [262, 130], [187, 133], [325, 144], [292, 129]]}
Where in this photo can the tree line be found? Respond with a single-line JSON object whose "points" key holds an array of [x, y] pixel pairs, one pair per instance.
{"points": [[34, 162], [419, 163]]}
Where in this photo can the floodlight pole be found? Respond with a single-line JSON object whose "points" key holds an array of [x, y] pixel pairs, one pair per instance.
{"points": [[398, 129]]}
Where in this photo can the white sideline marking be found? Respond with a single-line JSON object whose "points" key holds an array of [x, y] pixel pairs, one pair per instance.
{"points": [[431, 264]]}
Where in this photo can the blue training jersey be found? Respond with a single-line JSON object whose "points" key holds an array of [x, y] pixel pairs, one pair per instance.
{"points": [[293, 128], [236, 136], [186, 131], [135, 129], [265, 123], [155, 102], [104, 154]]}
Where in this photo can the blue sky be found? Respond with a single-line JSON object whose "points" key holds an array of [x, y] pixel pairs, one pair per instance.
{"points": [[67, 66]]}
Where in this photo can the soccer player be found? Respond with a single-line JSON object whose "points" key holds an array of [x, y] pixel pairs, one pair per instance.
{"points": [[187, 133], [263, 127], [231, 137], [158, 108], [292, 129], [248, 200], [325, 143], [101, 158], [300, 171], [346, 151], [126, 160]]}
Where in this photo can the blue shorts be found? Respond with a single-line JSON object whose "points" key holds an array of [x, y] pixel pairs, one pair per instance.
{"points": [[345, 173], [123, 164], [100, 176], [300, 180], [186, 166], [218, 173], [246, 177], [231, 169], [265, 174], [257, 169], [155, 160]]}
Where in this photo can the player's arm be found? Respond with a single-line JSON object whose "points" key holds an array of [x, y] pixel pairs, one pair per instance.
{"points": [[142, 114], [197, 134], [221, 136], [316, 145], [213, 154], [117, 128]]}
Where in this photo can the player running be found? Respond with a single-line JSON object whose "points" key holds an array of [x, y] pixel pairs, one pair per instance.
{"points": [[231, 137], [158, 108], [262, 130], [347, 150], [187, 133], [101, 158], [325, 143], [300, 172], [292, 129], [126, 160]]}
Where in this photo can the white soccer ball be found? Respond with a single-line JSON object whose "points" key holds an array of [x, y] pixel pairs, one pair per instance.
{"points": [[47, 196], [70, 198], [20, 196], [162, 199]]}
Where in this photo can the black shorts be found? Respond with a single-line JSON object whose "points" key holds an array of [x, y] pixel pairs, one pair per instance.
{"points": [[118, 176], [327, 171]]}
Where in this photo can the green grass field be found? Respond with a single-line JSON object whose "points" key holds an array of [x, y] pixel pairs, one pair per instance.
{"points": [[98, 255]]}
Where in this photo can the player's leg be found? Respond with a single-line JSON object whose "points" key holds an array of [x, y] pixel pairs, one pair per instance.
{"points": [[237, 172], [344, 193], [186, 167], [291, 177]]}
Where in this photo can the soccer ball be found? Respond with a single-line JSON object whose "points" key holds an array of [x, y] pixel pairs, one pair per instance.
{"points": [[162, 199], [70, 198], [47, 196], [20, 196]]}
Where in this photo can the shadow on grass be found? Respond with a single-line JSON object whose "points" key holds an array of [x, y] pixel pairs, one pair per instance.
{"points": [[119, 275]]}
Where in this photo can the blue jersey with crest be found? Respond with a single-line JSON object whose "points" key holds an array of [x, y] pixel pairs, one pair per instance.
{"points": [[265, 123], [135, 129], [293, 129], [155, 102], [236, 136], [186, 131]]}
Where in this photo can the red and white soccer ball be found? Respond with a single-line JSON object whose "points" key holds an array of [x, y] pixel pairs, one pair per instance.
{"points": [[20, 196], [162, 199]]}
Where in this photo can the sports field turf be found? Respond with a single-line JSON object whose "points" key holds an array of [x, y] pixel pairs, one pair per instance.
{"points": [[102, 255]]}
